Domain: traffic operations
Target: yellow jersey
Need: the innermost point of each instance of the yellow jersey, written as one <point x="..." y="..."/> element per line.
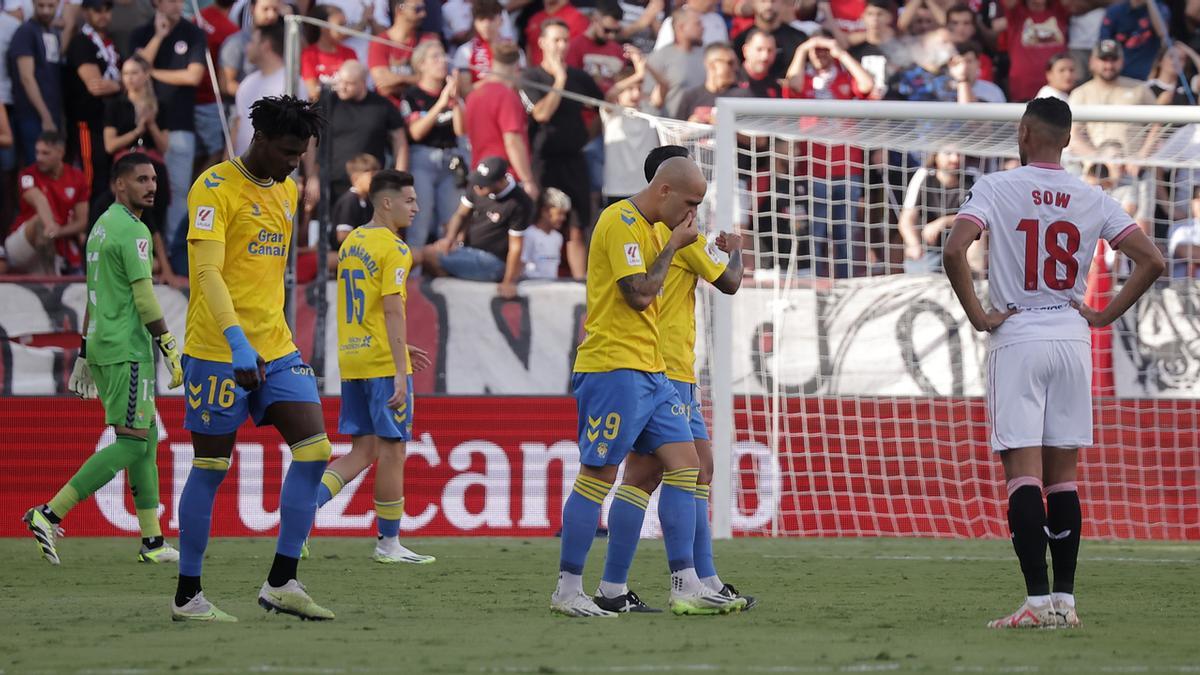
<point x="677" y="304"/>
<point x="618" y="336"/>
<point x="372" y="263"/>
<point x="253" y="218"/>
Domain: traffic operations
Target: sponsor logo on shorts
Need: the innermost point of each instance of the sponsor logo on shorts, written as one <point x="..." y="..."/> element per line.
<point x="305" y="370"/>
<point x="681" y="410"/>
<point x="205" y="215"/>
<point x="633" y="255"/>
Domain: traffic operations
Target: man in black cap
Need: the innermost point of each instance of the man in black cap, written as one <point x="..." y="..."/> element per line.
<point x="92" y="76"/>
<point x="1108" y="87"/>
<point x="484" y="237"/>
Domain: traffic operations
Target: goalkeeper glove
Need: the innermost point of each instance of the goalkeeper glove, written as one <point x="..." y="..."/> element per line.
<point x="81" y="383"/>
<point x="169" y="346"/>
<point x="248" y="366"/>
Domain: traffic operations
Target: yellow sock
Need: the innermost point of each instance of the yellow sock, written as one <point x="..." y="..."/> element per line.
<point x="148" y="523"/>
<point x="592" y="488"/>
<point x="390" y="510"/>
<point x="684" y="479"/>
<point x="633" y="495"/>
<point x="332" y="482"/>
<point x="64" y="501"/>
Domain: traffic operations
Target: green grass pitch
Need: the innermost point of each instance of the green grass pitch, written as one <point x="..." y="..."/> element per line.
<point x="826" y="606"/>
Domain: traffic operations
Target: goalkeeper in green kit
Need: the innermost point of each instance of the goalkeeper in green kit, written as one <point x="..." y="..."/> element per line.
<point x="122" y="325"/>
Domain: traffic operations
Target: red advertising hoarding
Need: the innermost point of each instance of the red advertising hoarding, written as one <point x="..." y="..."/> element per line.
<point x="500" y="466"/>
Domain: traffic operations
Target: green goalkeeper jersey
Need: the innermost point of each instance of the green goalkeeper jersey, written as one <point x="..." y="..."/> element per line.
<point x="120" y="251"/>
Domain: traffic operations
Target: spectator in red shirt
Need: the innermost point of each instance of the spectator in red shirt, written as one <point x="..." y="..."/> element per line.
<point x="325" y="53"/>
<point x="497" y="125"/>
<point x="597" y="52"/>
<point x="44" y="239"/>
<point x="473" y="58"/>
<point x="215" y="22"/>
<point x="391" y="67"/>
<point x="961" y="22"/>
<point x="1036" y="31"/>
<point x="823" y="70"/>
<point x="758" y="53"/>
<point x="563" y="10"/>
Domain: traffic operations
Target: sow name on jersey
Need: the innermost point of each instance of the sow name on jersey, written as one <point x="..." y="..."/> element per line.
<point x="268" y="243"/>
<point x="1058" y="199"/>
<point x="357" y="251"/>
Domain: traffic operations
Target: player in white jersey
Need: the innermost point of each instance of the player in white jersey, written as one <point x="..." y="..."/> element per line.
<point x="1043" y="225"/>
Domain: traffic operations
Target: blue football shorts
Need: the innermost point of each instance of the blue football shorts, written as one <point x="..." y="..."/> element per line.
<point x="365" y="411"/>
<point x="624" y="410"/>
<point x="689" y="394"/>
<point x="217" y="405"/>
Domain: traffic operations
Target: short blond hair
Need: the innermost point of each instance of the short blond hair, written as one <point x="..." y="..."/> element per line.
<point x="366" y="162"/>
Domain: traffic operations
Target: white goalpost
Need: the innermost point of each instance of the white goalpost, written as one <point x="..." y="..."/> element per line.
<point x="843" y="382"/>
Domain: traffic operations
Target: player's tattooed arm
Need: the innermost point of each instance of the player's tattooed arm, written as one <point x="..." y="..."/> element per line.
<point x="639" y="290"/>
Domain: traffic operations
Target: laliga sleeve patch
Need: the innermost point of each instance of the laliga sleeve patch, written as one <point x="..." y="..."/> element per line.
<point x="143" y="248"/>
<point x="26" y="182"/>
<point x="205" y="216"/>
<point x="711" y="249"/>
<point x="400" y="276"/>
<point x="633" y="255"/>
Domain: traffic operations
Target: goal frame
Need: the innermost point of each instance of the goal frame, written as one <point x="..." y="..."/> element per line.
<point x="725" y="131"/>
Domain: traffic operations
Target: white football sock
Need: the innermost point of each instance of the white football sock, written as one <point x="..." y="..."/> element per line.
<point x="685" y="582"/>
<point x="713" y="583"/>
<point x="1038" y="600"/>
<point x="611" y="590"/>
<point x="568" y="585"/>
<point x="1065" y="600"/>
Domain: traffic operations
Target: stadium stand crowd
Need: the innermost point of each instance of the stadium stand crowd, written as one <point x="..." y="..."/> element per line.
<point x="464" y="81"/>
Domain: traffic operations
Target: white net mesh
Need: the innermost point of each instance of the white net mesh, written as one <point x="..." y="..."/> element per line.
<point x="855" y="380"/>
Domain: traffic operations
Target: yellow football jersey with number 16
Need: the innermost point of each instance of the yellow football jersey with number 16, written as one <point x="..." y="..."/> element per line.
<point x="372" y="263"/>
<point x="253" y="218"/>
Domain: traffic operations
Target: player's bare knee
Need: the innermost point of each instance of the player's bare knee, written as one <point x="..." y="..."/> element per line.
<point x="1059" y="465"/>
<point x="606" y="473"/>
<point x="642" y="472"/>
<point x="210" y="446"/>
<point x="393" y="451"/>
<point x="1022" y="462"/>
<point x="704" y="453"/>
<point x="675" y="456"/>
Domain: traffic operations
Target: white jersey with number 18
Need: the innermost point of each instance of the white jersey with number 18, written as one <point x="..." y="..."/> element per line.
<point x="1043" y="225"/>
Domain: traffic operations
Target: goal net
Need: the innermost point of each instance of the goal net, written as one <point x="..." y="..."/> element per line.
<point x="843" y="382"/>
